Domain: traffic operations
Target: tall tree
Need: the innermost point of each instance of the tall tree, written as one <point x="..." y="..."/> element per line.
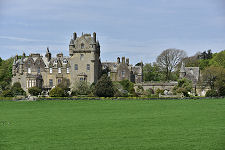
<point x="152" y="72"/>
<point x="169" y="59"/>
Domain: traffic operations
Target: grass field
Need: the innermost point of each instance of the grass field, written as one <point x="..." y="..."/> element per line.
<point x="119" y="125"/>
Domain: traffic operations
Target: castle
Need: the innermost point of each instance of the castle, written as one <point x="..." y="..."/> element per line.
<point x="83" y="64"/>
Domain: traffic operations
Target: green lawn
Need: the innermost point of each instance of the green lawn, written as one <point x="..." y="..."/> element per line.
<point x="119" y="125"/>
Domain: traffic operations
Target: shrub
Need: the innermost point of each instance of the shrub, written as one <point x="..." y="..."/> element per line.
<point x="149" y="92"/>
<point x="7" y="93"/>
<point x="211" y="93"/>
<point x="127" y="85"/>
<point x="17" y="90"/>
<point x="64" y="85"/>
<point x="56" y="92"/>
<point x="184" y="86"/>
<point x="104" y="87"/>
<point x="34" y="91"/>
<point x="81" y="88"/>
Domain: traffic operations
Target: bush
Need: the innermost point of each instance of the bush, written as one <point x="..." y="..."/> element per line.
<point x="81" y="88"/>
<point x="211" y="93"/>
<point x="64" y="85"/>
<point x="127" y="85"/>
<point x="7" y="93"/>
<point x="104" y="87"/>
<point x="149" y="92"/>
<point x="17" y="90"/>
<point x="56" y="92"/>
<point x="184" y="86"/>
<point x="34" y="91"/>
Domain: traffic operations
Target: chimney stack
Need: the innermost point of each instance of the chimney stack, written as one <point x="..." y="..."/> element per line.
<point x="127" y="61"/>
<point x="123" y="60"/>
<point x="74" y="36"/>
<point x="118" y="60"/>
<point x="94" y="37"/>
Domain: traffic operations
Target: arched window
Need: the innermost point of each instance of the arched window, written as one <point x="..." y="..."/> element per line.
<point x="81" y="56"/>
<point x="82" y="45"/>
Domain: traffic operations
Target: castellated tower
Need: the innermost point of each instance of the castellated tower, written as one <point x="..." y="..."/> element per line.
<point x="85" y="61"/>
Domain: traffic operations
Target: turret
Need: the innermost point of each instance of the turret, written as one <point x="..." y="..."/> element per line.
<point x="94" y="37"/>
<point x="14" y="67"/>
<point x="20" y="66"/>
<point x="182" y="70"/>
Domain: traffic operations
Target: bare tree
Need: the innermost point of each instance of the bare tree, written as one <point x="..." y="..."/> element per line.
<point x="169" y="59"/>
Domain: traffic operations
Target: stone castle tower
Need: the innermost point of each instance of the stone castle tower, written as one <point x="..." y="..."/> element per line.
<point x="83" y="64"/>
<point x="85" y="61"/>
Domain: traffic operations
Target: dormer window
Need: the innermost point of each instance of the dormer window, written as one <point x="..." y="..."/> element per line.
<point x="64" y="61"/>
<point x="82" y="45"/>
<point x="28" y="70"/>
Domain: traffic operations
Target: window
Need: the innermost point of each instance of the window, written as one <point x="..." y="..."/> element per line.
<point x="59" y="81"/>
<point x="50" y="82"/>
<point x="81" y="79"/>
<point x="76" y="66"/>
<point x="33" y="83"/>
<point x="30" y="83"/>
<point x="67" y="70"/>
<point x="81" y="56"/>
<point x="38" y="70"/>
<point x="88" y="67"/>
<point x="50" y="70"/>
<point x="82" y="45"/>
<point x="29" y="70"/>
<point x="123" y="73"/>
<point x="59" y="70"/>
<point x="64" y="61"/>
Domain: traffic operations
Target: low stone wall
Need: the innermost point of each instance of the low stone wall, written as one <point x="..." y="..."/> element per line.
<point x="200" y="91"/>
<point x="157" y="85"/>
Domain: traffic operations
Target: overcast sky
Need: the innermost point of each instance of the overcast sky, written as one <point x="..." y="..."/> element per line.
<point x="138" y="29"/>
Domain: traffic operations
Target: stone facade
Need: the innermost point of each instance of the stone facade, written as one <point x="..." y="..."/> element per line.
<point x="191" y="73"/>
<point x="122" y="70"/>
<point x="83" y="64"/>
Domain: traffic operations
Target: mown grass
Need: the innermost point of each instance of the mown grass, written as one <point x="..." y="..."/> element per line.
<point x="119" y="125"/>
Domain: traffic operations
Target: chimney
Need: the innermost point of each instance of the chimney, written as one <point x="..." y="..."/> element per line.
<point x="118" y="60"/>
<point x="127" y="61"/>
<point x="48" y="55"/>
<point x="24" y="55"/>
<point x="123" y="60"/>
<point x="16" y="58"/>
<point x="74" y="36"/>
<point x="94" y="37"/>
